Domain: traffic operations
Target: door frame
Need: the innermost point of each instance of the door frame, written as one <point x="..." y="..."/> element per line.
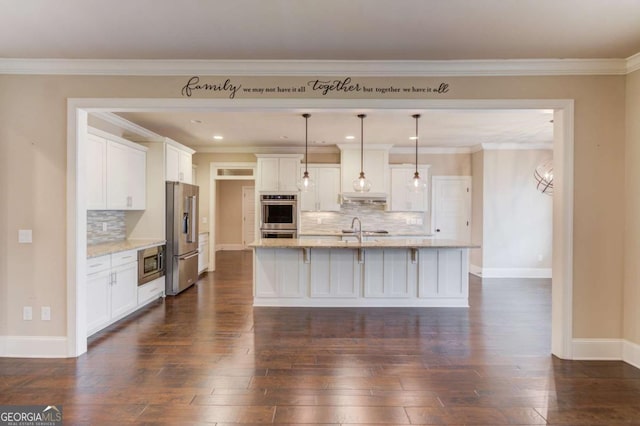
<point x="434" y="179"/>
<point x="213" y="180"/>
<point x="563" y="154"/>
<point x="244" y="204"/>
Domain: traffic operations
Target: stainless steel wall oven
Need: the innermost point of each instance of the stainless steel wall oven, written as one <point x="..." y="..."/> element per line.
<point x="279" y="211"/>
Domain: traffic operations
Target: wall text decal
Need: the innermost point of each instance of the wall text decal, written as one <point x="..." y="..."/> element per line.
<point x="322" y="87"/>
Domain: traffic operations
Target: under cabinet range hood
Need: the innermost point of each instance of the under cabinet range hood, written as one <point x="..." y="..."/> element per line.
<point x="364" y="197"/>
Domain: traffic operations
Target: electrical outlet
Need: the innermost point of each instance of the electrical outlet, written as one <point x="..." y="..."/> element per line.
<point x="45" y="313"/>
<point x="104" y="227"/>
<point x="25" y="236"/>
<point x="27" y="313"/>
<point x="540" y="258"/>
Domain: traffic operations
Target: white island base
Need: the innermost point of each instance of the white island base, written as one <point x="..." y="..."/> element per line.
<point x="360" y="275"/>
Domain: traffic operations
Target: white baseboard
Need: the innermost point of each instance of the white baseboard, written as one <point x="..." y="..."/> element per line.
<point x="512" y="272"/>
<point x="229" y="247"/>
<point x="475" y="270"/>
<point x="607" y="350"/>
<point x="631" y="353"/>
<point x="33" y="347"/>
<point x="597" y="349"/>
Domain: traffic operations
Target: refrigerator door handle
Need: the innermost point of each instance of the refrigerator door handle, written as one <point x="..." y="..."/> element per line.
<point x="189" y="256"/>
<point x="192" y="237"/>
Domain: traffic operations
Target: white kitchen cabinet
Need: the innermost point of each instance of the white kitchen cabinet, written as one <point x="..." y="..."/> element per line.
<point x="116" y="173"/>
<point x="126" y="177"/>
<point x="278" y="172"/>
<point x="402" y="198"/>
<point x="443" y="275"/>
<point x="334" y="273"/>
<point x="326" y="192"/>
<point x="112" y="282"/>
<point x="203" y="252"/>
<point x="98" y="293"/>
<point x="281" y="273"/>
<point x="178" y="164"/>
<point x="376" y="167"/>
<point x="151" y="291"/>
<point x="96" y="172"/>
<point x="390" y="273"/>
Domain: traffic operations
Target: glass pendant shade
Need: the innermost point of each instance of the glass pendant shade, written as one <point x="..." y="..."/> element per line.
<point x="361" y="183"/>
<point x="306" y="184"/>
<point x="417" y="183"/>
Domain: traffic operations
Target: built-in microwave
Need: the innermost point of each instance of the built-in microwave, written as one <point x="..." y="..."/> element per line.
<point x="279" y="211"/>
<point x="150" y="264"/>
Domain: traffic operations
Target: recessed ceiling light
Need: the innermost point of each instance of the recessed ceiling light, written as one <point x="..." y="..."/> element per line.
<point x="196" y="121"/>
<point x="218" y="137"/>
<point x="349" y="137"/>
<point x="413" y="138"/>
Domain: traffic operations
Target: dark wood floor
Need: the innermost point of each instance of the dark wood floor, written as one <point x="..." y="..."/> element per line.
<point x="207" y="356"/>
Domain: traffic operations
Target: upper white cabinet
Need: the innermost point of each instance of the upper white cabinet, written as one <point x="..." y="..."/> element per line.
<point x="375" y="166"/>
<point x="402" y="198"/>
<point x="326" y="192"/>
<point x="278" y="172"/>
<point x="178" y="163"/>
<point x="116" y="173"/>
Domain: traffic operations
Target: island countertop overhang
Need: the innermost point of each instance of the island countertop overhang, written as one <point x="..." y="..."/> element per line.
<point x="380" y="243"/>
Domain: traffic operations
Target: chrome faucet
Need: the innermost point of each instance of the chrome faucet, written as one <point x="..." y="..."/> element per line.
<point x="359" y="228"/>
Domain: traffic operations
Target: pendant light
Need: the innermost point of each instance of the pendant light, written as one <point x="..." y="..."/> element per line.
<point x="361" y="184"/>
<point x="306" y="184"/>
<point x="417" y="183"/>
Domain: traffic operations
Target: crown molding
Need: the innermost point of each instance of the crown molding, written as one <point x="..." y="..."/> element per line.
<point x="204" y="149"/>
<point x="497" y="146"/>
<point x="127" y="125"/>
<point x="431" y="150"/>
<point x="633" y="63"/>
<point x="447" y="68"/>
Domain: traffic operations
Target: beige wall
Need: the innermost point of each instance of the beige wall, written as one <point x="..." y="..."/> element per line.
<point x="441" y="164"/>
<point x="632" y="195"/>
<point x="32" y="180"/>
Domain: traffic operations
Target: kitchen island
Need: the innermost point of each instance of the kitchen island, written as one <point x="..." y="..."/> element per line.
<point x="371" y="273"/>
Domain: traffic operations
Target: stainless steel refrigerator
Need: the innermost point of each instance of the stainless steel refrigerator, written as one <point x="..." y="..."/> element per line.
<point x="182" y="237"/>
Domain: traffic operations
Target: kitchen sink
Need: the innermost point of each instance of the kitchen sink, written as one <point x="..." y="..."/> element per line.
<point x="366" y="232"/>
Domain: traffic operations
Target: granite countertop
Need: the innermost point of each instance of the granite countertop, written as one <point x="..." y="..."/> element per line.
<point x="367" y="233"/>
<point x="376" y="243"/>
<point x="118" y="246"/>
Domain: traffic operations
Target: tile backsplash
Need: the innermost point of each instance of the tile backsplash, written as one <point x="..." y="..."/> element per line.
<point x="116" y="227"/>
<point x="373" y="217"/>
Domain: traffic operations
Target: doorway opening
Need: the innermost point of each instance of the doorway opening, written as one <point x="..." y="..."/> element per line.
<point x="78" y="109"/>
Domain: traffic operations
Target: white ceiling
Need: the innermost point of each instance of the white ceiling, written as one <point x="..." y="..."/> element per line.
<point x="313" y="29"/>
<point x="437" y="128"/>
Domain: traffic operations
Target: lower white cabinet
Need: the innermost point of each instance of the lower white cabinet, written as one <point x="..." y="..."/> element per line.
<point x="444" y="275"/>
<point x="334" y="273"/>
<point x="281" y="272"/>
<point x="389" y="273"/>
<point x="203" y="252"/>
<point x="151" y="291"/>
<point x="112" y="282"/>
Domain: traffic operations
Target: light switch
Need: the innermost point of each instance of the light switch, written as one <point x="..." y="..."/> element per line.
<point x="25" y="236"/>
<point x="45" y="313"/>
<point x="27" y="313"/>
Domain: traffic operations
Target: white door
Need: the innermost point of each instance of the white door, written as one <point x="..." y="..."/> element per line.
<point x="451" y="213"/>
<point x="248" y="215"/>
